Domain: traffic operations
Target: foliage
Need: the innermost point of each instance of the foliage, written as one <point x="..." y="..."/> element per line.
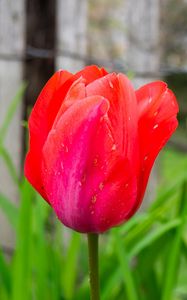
<point x="146" y="258"/>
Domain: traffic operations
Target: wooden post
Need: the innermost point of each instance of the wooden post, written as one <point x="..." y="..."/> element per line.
<point x="142" y="20"/>
<point x="12" y="24"/>
<point x="71" y="33"/>
<point x="142" y="32"/>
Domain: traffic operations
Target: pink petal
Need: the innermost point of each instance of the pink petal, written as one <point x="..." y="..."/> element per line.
<point x="66" y="159"/>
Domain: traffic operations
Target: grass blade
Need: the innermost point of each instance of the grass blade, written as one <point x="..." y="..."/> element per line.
<point x="9" y="164"/>
<point x="70" y="268"/>
<point x="21" y="264"/>
<point x="153" y="236"/>
<point x="10" y="210"/>
<point x="5" y="273"/>
<point x="175" y="249"/>
<point x="126" y="272"/>
<point x="11" y="111"/>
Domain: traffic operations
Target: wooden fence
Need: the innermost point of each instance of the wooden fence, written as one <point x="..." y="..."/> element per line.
<point x="38" y="36"/>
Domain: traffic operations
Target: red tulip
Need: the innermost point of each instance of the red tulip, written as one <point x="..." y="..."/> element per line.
<point x="93" y="142"/>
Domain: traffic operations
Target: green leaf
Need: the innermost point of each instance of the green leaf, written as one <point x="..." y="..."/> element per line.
<point x="152" y="237"/>
<point x="113" y="280"/>
<point x="70" y="266"/>
<point x="11" y="111"/>
<point x="10" y="210"/>
<point x="126" y="271"/>
<point x="172" y="264"/>
<point x="21" y="263"/>
<point x="40" y="251"/>
<point x="5" y="273"/>
<point x="9" y="164"/>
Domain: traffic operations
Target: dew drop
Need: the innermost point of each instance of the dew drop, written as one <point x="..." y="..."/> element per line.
<point x="92" y="212"/>
<point x="111" y="85"/>
<point x="146" y="157"/>
<point x="94" y="199"/>
<point x="155" y="126"/>
<point x="126" y="185"/>
<point x="66" y="149"/>
<point x="113" y="147"/>
<point x="150" y="100"/>
<point x="80" y="183"/>
<point x="95" y="162"/>
<point x="155" y="113"/>
<point x="129" y="118"/>
<point x="83" y="178"/>
<point x="101" y="186"/>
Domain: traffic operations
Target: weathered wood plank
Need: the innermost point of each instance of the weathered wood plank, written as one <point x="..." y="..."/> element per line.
<point x="142" y="21"/>
<point x="12" y="24"/>
<point x="71" y="32"/>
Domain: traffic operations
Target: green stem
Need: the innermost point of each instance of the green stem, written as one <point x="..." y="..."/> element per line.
<point x="93" y="266"/>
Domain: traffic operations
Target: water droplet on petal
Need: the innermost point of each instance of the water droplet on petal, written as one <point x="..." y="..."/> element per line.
<point x="126" y="185"/>
<point x="83" y="178"/>
<point x="94" y="199"/>
<point x="66" y="149"/>
<point x="101" y="186"/>
<point x="146" y="157"/>
<point x="150" y="100"/>
<point x="95" y="162"/>
<point x="92" y="212"/>
<point x="155" y="113"/>
<point x="113" y="147"/>
<point x="155" y="126"/>
<point x="111" y="85"/>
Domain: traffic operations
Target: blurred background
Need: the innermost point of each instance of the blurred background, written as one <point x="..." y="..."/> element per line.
<point x="147" y="40"/>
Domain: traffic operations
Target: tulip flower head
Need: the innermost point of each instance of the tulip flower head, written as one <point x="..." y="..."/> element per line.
<point x="93" y="142"/>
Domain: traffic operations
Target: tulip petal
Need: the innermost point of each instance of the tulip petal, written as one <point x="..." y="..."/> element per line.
<point x="157" y="121"/>
<point x="40" y="123"/>
<point x="66" y="158"/>
<point x="91" y="73"/>
<point x="117" y="197"/>
<point x="76" y="92"/>
<point x="123" y="109"/>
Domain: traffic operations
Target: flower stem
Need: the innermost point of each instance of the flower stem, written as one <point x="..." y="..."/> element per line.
<point x="93" y="266"/>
